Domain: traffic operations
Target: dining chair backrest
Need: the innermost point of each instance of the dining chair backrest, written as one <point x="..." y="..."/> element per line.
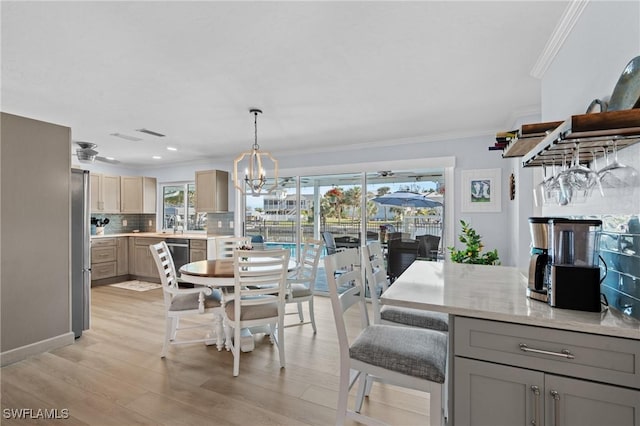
<point x="259" y="273"/>
<point x="225" y="246"/>
<point x="166" y="269"/>
<point x="376" y="276"/>
<point x="309" y="260"/>
<point x="329" y="242"/>
<point x="402" y="253"/>
<point x="343" y="272"/>
<point x="428" y="246"/>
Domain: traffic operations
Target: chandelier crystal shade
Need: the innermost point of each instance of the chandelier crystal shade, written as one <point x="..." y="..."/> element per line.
<point x="253" y="164"/>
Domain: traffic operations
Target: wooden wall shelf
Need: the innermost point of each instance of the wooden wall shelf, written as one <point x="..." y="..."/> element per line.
<point x="592" y="134"/>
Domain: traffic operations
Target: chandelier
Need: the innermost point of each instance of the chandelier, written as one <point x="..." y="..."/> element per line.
<point x="252" y="162"/>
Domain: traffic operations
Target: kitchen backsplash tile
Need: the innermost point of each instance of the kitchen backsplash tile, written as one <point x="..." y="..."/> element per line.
<point x="220" y="223"/>
<point x="141" y="222"/>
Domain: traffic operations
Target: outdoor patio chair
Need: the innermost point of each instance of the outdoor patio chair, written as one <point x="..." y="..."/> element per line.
<point x="401" y="254"/>
<point x="329" y="242"/>
<point x="428" y="246"/>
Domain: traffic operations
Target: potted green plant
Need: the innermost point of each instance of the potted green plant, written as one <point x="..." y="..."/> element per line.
<point x="472" y="253"/>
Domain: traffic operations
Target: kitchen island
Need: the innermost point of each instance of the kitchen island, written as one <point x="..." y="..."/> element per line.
<point x="513" y="360"/>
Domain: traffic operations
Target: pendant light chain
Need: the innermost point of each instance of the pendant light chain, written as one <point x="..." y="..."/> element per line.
<point x="255" y="130"/>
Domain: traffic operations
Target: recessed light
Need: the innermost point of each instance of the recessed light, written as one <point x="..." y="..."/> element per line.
<point x="150" y="132"/>
<point x="110" y="158"/>
<point x="172" y="148"/>
<point x="126" y="137"/>
<point x="157" y="157"/>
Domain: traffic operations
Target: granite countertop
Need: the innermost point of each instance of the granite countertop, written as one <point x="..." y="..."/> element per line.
<point x="188" y="235"/>
<point x="495" y="293"/>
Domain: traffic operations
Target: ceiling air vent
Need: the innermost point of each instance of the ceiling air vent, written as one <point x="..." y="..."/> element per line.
<point x="126" y="137"/>
<point x="150" y="132"/>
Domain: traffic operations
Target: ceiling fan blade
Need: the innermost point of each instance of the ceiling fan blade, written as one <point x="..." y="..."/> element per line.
<point x="107" y="160"/>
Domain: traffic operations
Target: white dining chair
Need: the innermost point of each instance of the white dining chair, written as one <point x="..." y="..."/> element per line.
<point x="260" y="280"/>
<point x="301" y="284"/>
<point x="403" y="356"/>
<point x="226" y="245"/>
<point x="182" y="302"/>
<point x="377" y="282"/>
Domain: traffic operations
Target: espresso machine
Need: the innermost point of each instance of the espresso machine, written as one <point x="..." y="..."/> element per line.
<point x="564" y="269"/>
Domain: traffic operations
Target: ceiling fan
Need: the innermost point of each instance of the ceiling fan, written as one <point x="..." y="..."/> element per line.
<point x="87" y="154"/>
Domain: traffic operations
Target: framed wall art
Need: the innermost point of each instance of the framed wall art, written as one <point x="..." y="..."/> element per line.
<point x="481" y="191"/>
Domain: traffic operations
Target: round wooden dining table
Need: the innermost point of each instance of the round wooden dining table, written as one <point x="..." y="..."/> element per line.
<point x="212" y="273"/>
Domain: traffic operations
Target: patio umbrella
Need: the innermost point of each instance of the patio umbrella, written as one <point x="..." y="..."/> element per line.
<point x="406" y="199"/>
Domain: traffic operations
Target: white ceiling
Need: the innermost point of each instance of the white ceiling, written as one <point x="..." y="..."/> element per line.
<point x="325" y="73"/>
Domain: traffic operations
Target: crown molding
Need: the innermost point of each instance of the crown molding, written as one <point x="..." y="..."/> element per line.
<point x="563" y="29"/>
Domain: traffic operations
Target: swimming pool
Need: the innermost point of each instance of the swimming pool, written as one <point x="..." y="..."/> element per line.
<point x="290" y="246"/>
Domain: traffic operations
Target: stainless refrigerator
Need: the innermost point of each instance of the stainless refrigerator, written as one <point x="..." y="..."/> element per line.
<point x="80" y="251"/>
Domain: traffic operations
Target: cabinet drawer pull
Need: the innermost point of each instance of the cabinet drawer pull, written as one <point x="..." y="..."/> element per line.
<point x="556" y="407"/>
<point x="536" y="405"/>
<point x="565" y="353"/>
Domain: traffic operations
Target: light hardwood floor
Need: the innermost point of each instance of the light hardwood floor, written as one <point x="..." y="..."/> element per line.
<point x="113" y="375"/>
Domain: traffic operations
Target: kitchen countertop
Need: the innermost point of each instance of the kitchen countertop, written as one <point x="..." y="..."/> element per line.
<point x="191" y="236"/>
<point x="495" y="293"/>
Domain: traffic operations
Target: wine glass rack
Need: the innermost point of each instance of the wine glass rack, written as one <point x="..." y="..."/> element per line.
<point x="591" y="134"/>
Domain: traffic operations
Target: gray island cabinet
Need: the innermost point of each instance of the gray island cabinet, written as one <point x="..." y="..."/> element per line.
<point x="515" y="361"/>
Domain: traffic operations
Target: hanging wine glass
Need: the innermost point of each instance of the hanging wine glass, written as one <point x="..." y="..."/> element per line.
<point x="616" y="174"/>
<point x="565" y="194"/>
<point x="541" y="192"/>
<point x="580" y="178"/>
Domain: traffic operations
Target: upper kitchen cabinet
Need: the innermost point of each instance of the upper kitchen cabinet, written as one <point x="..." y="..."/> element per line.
<point x="105" y="193"/>
<point x="137" y="194"/>
<point x="212" y="191"/>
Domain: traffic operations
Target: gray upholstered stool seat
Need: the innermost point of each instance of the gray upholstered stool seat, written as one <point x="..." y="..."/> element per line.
<point x="415" y="317"/>
<point x="412" y="351"/>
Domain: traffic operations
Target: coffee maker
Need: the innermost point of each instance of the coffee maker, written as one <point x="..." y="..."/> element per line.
<point x="539" y="263"/>
<point x="564" y="267"/>
<point x="573" y="256"/>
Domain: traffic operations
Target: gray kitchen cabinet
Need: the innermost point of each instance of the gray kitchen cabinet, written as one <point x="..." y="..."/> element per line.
<point x="212" y="191"/>
<point x="138" y="194"/>
<point x="513" y="374"/>
<point x="197" y="250"/>
<point x="103" y="258"/>
<point x="143" y="264"/>
<point x="105" y="193"/>
<point x="494" y="394"/>
<point x="488" y="394"/>
<point x="122" y="255"/>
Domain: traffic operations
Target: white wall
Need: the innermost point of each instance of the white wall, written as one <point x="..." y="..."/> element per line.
<point x="35" y="239"/>
<point x="603" y="41"/>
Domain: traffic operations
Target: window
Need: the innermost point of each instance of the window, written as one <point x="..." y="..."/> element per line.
<point x="178" y="208"/>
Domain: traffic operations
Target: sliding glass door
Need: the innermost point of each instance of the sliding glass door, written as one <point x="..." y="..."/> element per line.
<point x="303" y="207"/>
